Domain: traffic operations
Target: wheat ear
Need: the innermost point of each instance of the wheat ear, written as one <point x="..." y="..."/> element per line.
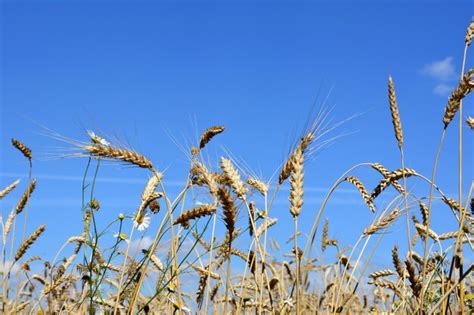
<point x="233" y="177"/>
<point x="397" y="125"/>
<point x="361" y="188"/>
<point x="124" y="155"/>
<point x="208" y="134"/>
<point x="469" y="33"/>
<point x="22" y="148"/>
<point x="465" y="86"/>
<point x="382" y="222"/>
<point x="24" y="198"/>
<point x="195" y="213"/>
<point x="470" y="122"/>
<point x="8" y="189"/>
<point x="296" y="184"/>
<point x="29" y="241"/>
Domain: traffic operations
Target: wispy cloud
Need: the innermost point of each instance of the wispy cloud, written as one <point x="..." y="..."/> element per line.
<point x="442" y="89"/>
<point x="442" y="70"/>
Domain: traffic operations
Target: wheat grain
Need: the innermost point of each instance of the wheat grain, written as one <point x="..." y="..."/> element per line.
<point x="425" y="213"/>
<point x="229" y="210"/>
<point x="25" y="197"/>
<point x="448" y="235"/>
<point x="361" y="188"/>
<point x="385" y="284"/>
<point x="397" y="263"/>
<point x="424" y="231"/>
<point x="465" y="86"/>
<point x="383" y="222"/>
<point x="413" y="278"/>
<point x="28" y="242"/>
<point x="264" y="226"/>
<point x="251" y="217"/>
<point x="393" y="176"/>
<point x="208" y="134"/>
<point x="260" y="186"/>
<point x="201" y="175"/>
<point x="469" y="33"/>
<point x="233" y="177"/>
<point x="8" y="189"/>
<point x="386" y="173"/>
<point x="296" y="184"/>
<point x="289" y="164"/>
<point x="470" y="122"/>
<point x="8" y="224"/>
<point x="149" y="194"/>
<point x="324" y="237"/>
<point x="22" y="148"/>
<point x="397" y="125"/>
<point x="381" y="273"/>
<point x="114" y="153"/>
<point x="195" y="213"/>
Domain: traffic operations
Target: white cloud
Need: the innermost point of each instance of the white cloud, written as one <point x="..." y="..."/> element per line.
<point x="442" y="70"/>
<point x="442" y="89"/>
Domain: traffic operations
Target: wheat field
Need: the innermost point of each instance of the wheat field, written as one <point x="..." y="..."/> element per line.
<point x="201" y="273"/>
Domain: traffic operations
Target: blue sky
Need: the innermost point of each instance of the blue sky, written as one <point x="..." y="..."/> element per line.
<point x="147" y="73"/>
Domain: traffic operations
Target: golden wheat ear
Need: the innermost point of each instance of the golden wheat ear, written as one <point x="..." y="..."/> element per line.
<point x="8" y="189"/>
<point x="22" y="148"/>
<point x="208" y="134"/>
<point x="124" y="155"/>
<point x="195" y="213"/>
<point x="465" y="86"/>
<point x="397" y="124"/>
<point x="29" y="241"/>
<point x="361" y="188"/>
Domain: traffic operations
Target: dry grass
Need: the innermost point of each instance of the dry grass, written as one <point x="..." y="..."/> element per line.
<point x="188" y="268"/>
